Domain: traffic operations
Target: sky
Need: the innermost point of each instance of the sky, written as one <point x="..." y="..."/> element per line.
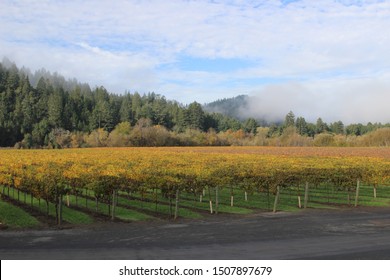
<point x="323" y="58"/>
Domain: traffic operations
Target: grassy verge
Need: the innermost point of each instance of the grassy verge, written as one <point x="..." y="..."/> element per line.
<point x="186" y="204"/>
<point x="14" y="217"/>
<point x="102" y="208"/>
<point x="158" y="208"/>
<point x="69" y="215"/>
<point x="150" y="207"/>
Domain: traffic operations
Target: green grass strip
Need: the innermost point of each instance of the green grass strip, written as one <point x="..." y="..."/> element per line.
<point x="148" y="206"/>
<point x="69" y="215"/>
<point x="15" y="217"/>
<point x="120" y="212"/>
<point x="159" y="208"/>
<point x="186" y="200"/>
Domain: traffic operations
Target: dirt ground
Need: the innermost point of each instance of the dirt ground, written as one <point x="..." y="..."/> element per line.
<point x="351" y="233"/>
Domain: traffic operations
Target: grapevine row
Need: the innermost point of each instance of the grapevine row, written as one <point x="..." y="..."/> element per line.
<point x="50" y="175"/>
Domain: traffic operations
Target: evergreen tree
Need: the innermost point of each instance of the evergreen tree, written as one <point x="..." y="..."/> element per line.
<point x="55" y="109"/>
<point x="289" y="119"/>
<point x="136" y="104"/>
<point x="250" y="126"/>
<point x="160" y="113"/>
<point x="354" y="129"/>
<point x="125" y="111"/>
<point x="194" y="116"/>
<point x="321" y="126"/>
<point x="337" y="127"/>
<point x="301" y="126"/>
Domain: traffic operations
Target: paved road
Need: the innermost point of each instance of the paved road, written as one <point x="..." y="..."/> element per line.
<point x="362" y="233"/>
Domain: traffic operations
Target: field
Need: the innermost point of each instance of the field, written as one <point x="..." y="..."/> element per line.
<point x="83" y="186"/>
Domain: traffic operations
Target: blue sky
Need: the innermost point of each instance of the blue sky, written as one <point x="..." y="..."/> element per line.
<point x="324" y="57"/>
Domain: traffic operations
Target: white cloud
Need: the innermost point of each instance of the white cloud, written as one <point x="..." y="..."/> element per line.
<point x="137" y="45"/>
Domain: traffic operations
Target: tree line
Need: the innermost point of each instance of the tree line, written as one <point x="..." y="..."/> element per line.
<point x="32" y="115"/>
<point x="46" y="110"/>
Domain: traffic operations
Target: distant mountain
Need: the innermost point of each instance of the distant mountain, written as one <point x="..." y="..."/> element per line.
<point x="231" y="107"/>
<point x="237" y="108"/>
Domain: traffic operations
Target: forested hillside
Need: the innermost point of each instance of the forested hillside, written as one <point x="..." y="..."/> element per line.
<point x="228" y="106"/>
<point x="45" y="110"/>
<point x="33" y="114"/>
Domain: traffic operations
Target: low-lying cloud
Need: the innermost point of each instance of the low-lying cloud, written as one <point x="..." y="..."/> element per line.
<point x="351" y="101"/>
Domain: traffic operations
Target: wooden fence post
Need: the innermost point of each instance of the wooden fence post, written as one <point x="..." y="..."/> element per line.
<point x="60" y="210"/>
<point x="306" y="195"/>
<point x="177" y="204"/>
<point x="216" y="199"/>
<point x="113" y="204"/>
<point x="276" y="198"/>
<point x="211" y="201"/>
<point x="357" y="193"/>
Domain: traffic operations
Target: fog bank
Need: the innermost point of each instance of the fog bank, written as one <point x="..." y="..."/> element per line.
<point x="365" y="100"/>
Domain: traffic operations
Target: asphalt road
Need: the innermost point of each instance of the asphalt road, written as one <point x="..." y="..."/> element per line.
<point x="353" y="233"/>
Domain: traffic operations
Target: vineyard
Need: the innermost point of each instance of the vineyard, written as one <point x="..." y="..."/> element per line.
<point x="76" y="186"/>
